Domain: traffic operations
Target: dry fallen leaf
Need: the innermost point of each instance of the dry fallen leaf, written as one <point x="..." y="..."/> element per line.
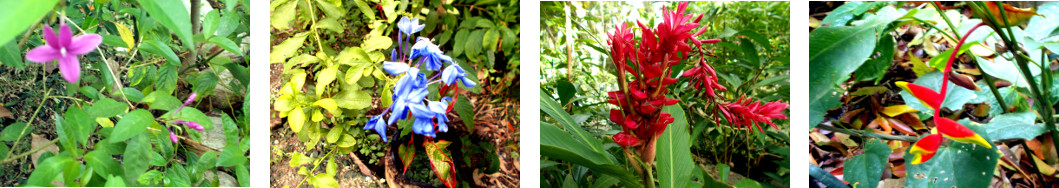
<point x="39" y="141"/>
<point x="4" y="113"/>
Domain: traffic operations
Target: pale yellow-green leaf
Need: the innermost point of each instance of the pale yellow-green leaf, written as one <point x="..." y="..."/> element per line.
<point x="297" y="81"/>
<point x="896" y="110"/>
<point x="283" y="15"/>
<point x="325" y="181"/>
<point x="286" y="49"/>
<point x="296" y="119"/>
<point x="283" y="103"/>
<point x="317" y="115"/>
<point x="353" y="99"/>
<point x="347" y="141"/>
<point x="105" y="122"/>
<point x="323" y="78"/>
<point x="331" y="24"/>
<point x="376" y="42"/>
<point x="328" y="104"/>
<point x="334" y="134"/>
<point x="126" y="35"/>
<point x="299" y="159"/>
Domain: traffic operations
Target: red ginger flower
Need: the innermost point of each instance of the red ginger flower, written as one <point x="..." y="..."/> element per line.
<point x="745" y="113"/>
<point x="650" y="63"/>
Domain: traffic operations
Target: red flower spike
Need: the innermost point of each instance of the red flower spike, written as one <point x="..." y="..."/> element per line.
<point x="746" y="113"/>
<point x="925" y="148"/>
<point x="616" y="116"/>
<point x="625" y="139"/>
<point x="959" y="133"/>
<point x="925" y="95"/>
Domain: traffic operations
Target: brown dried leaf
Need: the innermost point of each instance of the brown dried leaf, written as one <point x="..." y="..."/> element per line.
<point x="4" y="113"/>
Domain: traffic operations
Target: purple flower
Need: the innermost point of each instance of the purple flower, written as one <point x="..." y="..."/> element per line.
<point x="190" y="124"/>
<point x="64" y="48"/>
<point x="191" y="98"/>
<point x="172" y="136"/>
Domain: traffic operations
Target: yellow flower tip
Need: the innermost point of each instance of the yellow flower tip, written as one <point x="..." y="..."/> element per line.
<point x="976" y="139"/>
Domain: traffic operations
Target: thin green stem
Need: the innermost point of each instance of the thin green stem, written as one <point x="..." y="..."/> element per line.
<point x="861" y="133"/>
<point x="939" y="29"/>
<point x="955" y="30"/>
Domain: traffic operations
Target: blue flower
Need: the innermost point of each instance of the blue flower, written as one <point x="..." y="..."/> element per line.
<point x="407" y="102"/>
<point x="454" y="72"/>
<point x="432" y="55"/>
<point x="409" y="26"/>
<point x="379" y="127"/>
<point x="395" y="68"/>
<point x="423" y="127"/>
<point x="439" y="108"/>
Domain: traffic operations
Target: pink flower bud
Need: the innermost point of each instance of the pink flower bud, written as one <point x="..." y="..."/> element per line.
<point x="172" y="137"/>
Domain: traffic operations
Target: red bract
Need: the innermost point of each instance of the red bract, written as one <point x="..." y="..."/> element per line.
<point x="745" y="113"/>
<point x="650" y="63"/>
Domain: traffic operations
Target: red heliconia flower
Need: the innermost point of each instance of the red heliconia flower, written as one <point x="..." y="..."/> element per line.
<point x="704" y="78"/>
<point x="925" y="148"/>
<point x="625" y="139"/>
<point x="745" y="113"/>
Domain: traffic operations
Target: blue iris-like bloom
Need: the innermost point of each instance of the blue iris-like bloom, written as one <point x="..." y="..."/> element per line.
<point x="379" y="127"/>
<point x="453" y="73"/>
<point x="408" y="27"/>
<point x="395" y="68"/>
<point x="439" y="108"/>
<point x="432" y="56"/>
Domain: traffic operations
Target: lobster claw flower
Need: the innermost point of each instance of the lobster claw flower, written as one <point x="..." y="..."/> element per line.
<point x="925" y="148"/>
<point x="925" y="95"/>
<point x="959" y="133"/>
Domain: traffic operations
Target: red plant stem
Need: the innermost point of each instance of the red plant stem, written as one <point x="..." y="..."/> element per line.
<point x="948" y="67"/>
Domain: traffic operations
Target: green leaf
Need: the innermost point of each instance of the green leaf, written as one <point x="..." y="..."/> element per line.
<point x="107" y="107"/>
<point x="364" y="8"/>
<point x="115" y="181"/>
<point x="228" y="45"/>
<point x="153" y="177"/>
<point x="231" y="130"/>
<point x="282" y="15"/>
<point x="353" y="99"/>
<point x="406" y="152"/>
<point x="1014" y="125"/>
<point x="955" y="165"/>
<point x="490" y="39"/>
<point x="331" y="24"/>
<point x="296" y="119"/>
<point x="206" y="162"/>
<point x="566" y="91"/>
<point x="240" y="73"/>
<point x="138" y="148"/>
<point x="443" y="166"/>
<point x="835" y="52"/>
<point x="332" y="168"/>
<point x="14" y="131"/>
<point x="191" y="114"/>
<point x="158" y="100"/>
<point x="334" y="134"/>
<point x="172" y="15"/>
<point x="210" y="23"/>
<point x="325" y="181"/>
<point x="553" y="109"/>
<point x="3" y="150"/>
<point x="11" y="55"/>
<point x="167" y="79"/>
<point x="286" y="49"/>
<point x="80" y="124"/>
<point x="878" y="66"/>
<point x="231" y="156"/>
<point x="375" y="43"/>
<point x="243" y="175"/>
<point x="841" y="14"/>
<point x="205" y="82"/>
<point x="325" y="77"/>
<point x="330" y="9"/>
<point x="161" y="49"/>
<point x="473" y="45"/>
<point x="955" y="98"/>
<point x="466" y="112"/>
<point x="49" y="169"/>
<point x="347" y="141"/>
<point x="299" y="159"/>
<point x="865" y="170"/>
<point x="459" y="41"/>
<point x="557" y="144"/>
<point x="177" y="176"/>
<point x="19" y="15"/>
<point x="673" y="152"/>
<point x="132" y="124"/>
<point x="749" y="52"/>
<point x="103" y="164"/>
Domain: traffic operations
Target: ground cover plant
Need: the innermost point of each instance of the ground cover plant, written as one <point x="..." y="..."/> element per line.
<point x="146" y="93"/>
<point x="930" y="94"/>
<point x="398" y="93"/>
<point x="626" y="87"/>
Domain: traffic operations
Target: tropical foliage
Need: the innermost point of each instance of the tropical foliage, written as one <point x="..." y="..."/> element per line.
<point x="146" y="94"/>
<point x="626" y="87"/>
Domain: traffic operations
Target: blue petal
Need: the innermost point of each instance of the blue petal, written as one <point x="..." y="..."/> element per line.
<point x="438" y="107"/>
<point x="420" y="111"/>
<point x="400" y="110"/>
<point x="448" y="76"/>
<point x="395" y="68"/>
<point x="467" y="82"/>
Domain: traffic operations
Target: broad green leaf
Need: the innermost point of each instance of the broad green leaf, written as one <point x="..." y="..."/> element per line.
<point x="133" y="95"/>
<point x="332" y="168"/>
<point x="15" y="131"/>
<point x="206" y="162"/>
<point x="243" y="174"/>
<point x="106" y="108"/>
<point x="167" y="78"/>
<point x="138" y="148"/>
<point x="353" y="99"/>
<point x="153" y="177"/>
<point x="160" y="101"/>
<point x="282" y="15"/>
<point x="673" y="151"/>
<point x="376" y="43"/>
<point x="67" y="135"/>
<point x="841" y="14"/>
<point x="473" y="45"/>
<point x="557" y="144"/>
<point x="837" y="51"/>
<point x="334" y="134"/>
<point x="876" y="67"/>
<point x="115" y="181"/>
<point x="1013" y="126"/>
<point x="955" y="165"/>
<point x="325" y="181"/>
<point x="406" y="152"/>
<point x="331" y="24"/>
<point x="231" y="156"/>
<point x="103" y="164"/>
<point x="347" y="141"/>
<point x="490" y="39"/>
<point x="299" y="159"/>
<point x="131" y="124"/>
<point x="566" y="91"/>
<point x="172" y="15"/>
<point x="177" y="176"/>
<point x="231" y="130"/>
<point x="370" y="13"/>
<point x="955" y="98"/>
<point x="11" y="55"/>
<point x="19" y="15"/>
<point x="80" y="123"/>
<point x="161" y="49"/>
<point x="466" y="111"/>
<point x="240" y="73"/>
<point x="553" y="109"/>
<point x="210" y="23"/>
<point x="191" y="114"/>
<point x="286" y="49"/>
<point x="227" y="44"/>
<point x="866" y="169"/>
<point x="49" y="169"/>
<point x="126" y="35"/>
<point x="205" y="82"/>
<point x="443" y="166"/>
<point x="325" y="77"/>
<point x="749" y="52"/>
<point x="296" y="119"/>
<point x="330" y="9"/>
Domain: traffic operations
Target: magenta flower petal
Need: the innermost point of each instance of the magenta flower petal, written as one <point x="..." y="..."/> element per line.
<point x="82" y="44"/>
<point x="43" y="54"/>
<point x="64" y="35"/>
<point x="70" y="68"/>
<point x="172" y="137"/>
<point x="49" y="36"/>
